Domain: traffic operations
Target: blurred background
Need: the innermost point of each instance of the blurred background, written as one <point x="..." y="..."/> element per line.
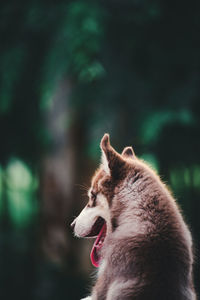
<point x="69" y="72"/>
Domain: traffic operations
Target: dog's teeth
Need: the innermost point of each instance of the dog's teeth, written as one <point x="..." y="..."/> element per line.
<point x="100" y="243"/>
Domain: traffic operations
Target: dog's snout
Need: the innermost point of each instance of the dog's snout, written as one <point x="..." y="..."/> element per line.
<point x="73" y="224"/>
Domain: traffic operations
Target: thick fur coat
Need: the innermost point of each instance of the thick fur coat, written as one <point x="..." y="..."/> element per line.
<point x="146" y="253"/>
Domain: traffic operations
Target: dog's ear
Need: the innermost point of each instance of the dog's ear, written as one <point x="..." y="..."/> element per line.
<point x="111" y="160"/>
<point x="128" y="152"/>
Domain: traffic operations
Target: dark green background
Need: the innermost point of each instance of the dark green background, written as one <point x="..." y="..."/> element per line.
<point x="70" y="71"/>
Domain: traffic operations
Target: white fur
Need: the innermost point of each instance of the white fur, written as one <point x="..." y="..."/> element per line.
<point x="88" y="216"/>
<point x="105" y="163"/>
<point x="85" y="220"/>
<point x="89" y="192"/>
<point x="117" y="287"/>
<point x="102" y="203"/>
<point x="102" y="267"/>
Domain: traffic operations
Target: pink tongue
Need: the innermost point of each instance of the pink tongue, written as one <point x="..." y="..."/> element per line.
<point x="94" y="256"/>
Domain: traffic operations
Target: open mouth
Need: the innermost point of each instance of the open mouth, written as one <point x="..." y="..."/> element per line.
<point x="99" y="231"/>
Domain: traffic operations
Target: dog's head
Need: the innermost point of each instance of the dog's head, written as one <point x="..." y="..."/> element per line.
<point x="96" y="219"/>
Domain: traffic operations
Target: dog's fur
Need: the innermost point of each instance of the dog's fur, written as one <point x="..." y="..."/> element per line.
<point x="147" y="252"/>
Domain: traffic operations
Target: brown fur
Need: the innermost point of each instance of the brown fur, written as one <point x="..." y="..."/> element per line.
<point x="147" y="255"/>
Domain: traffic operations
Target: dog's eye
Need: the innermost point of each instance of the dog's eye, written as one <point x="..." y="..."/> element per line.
<point x="93" y="196"/>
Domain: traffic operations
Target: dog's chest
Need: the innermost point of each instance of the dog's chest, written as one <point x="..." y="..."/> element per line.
<point x="102" y="268"/>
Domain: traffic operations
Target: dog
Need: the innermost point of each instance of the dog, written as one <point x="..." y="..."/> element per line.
<point x="143" y="247"/>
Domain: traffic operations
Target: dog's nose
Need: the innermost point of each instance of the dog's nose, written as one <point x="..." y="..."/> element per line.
<point x="73" y="224"/>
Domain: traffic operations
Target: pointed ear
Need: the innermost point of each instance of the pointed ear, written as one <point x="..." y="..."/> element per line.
<point x="111" y="160"/>
<point x="128" y="152"/>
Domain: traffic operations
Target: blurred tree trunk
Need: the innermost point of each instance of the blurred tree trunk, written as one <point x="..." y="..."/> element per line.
<point x="57" y="176"/>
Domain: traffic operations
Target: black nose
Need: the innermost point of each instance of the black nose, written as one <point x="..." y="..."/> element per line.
<point x="73" y="224"/>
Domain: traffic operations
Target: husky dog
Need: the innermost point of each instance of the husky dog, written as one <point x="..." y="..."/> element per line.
<point x="143" y="247"/>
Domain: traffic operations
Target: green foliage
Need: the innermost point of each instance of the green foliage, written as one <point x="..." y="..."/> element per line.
<point x="19" y="191"/>
<point x="185" y="178"/>
<point x="156" y="120"/>
<point x="12" y="63"/>
<point x="83" y="28"/>
<point x="1" y="190"/>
